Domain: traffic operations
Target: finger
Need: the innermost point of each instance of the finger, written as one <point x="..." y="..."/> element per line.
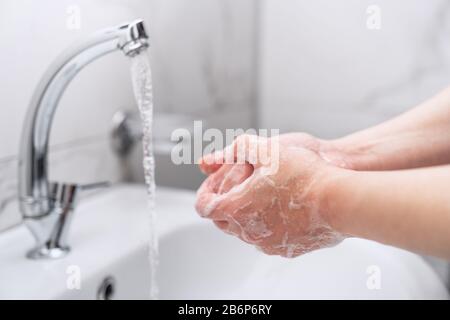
<point x="208" y="195"/>
<point x="228" y="227"/>
<point x="220" y="182"/>
<point x="222" y="206"/>
<point x="231" y="228"/>
<point x="269" y="250"/>
<point x="211" y="162"/>
<point x="244" y="149"/>
<point x="237" y="174"/>
<point x="222" y="225"/>
<point x="213" y="183"/>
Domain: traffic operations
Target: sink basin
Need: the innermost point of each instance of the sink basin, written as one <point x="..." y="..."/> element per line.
<point x="109" y="256"/>
<point x="108" y="237"/>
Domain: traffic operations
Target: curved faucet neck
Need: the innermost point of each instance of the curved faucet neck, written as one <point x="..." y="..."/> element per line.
<point x="34" y="194"/>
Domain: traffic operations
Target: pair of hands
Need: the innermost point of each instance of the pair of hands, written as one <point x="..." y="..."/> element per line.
<point x="385" y="183"/>
<point x="282" y="211"/>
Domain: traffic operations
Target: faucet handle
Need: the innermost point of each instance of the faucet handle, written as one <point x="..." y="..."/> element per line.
<point x="64" y="195"/>
<point x="52" y="238"/>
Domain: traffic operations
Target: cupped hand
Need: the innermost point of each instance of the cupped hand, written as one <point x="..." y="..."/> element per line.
<point x="274" y="203"/>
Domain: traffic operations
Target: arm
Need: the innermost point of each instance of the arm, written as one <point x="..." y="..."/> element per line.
<point x="307" y="203"/>
<point x="418" y="138"/>
<point x="408" y="209"/>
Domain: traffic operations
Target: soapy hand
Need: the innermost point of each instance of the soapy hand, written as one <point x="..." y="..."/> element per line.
<point x="269" y="199"/>
<point x="326" y="149"/>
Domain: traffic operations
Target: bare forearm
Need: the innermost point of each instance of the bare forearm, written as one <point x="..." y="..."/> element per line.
<point x="418" y="138"/>
<point x="408" y="209"/>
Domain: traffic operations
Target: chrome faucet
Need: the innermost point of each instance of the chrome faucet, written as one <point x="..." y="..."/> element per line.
<point x="46" y="207"/>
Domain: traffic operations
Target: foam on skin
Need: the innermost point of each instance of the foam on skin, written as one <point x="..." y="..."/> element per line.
<point x="278" y="212"/>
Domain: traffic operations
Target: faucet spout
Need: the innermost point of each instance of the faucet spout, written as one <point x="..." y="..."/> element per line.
<point x="35" y="194"/>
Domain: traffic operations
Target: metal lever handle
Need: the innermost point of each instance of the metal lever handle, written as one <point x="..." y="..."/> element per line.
<point x="63" y="197"/>
<point x="65" y="194"/>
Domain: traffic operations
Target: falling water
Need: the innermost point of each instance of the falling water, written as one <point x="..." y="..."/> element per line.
<point x="143" y="91"/>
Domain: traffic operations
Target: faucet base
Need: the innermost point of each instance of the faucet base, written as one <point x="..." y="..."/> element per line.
<point x="44" y="252"/>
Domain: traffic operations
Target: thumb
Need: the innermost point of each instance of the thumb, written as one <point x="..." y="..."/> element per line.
<point x="244" y="149"/>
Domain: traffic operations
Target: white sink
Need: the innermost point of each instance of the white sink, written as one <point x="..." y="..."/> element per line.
<point x="109" y="237"/>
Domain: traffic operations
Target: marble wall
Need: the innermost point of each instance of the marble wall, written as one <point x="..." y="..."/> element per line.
<point x="202" y="55"/>
<point x="324" y="71"/>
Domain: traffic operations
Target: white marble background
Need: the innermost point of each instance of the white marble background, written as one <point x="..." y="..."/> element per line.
<point x="202" y="55"/>
<point x="323" y="71"/>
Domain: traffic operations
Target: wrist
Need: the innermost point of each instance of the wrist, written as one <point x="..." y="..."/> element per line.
<point x="335" y="199"/>
<point x="338" y="154"/>
<point x="350" y="153"/>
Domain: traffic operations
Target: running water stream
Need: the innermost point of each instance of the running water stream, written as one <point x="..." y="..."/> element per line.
<point x="142" y="85"/>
